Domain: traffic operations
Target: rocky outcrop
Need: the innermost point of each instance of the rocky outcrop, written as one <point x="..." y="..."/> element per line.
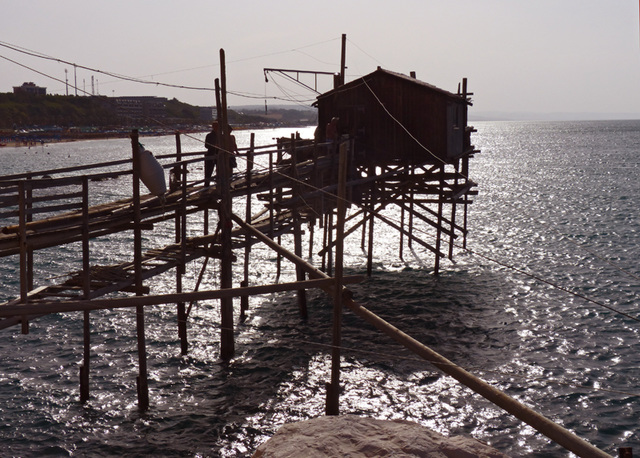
<point x="353" y="436"/>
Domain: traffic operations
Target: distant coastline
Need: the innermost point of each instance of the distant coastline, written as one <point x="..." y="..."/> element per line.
<point x="38" y="137"/>
<point x="548" y="116"/>
<point x="27" y="120"/>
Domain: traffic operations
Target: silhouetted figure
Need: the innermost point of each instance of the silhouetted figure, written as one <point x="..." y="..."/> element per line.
<point x="332" y="130"/>
<point x="211" y="156"/>
<point x="332" y="135"/>
<point x="233" y="162"/>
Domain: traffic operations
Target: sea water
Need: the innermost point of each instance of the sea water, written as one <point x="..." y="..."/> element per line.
<point x="531" y="307"/>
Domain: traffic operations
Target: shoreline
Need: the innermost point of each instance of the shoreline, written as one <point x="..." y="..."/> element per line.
<point x="30" y="141"/>
<point x="41" y="138"/>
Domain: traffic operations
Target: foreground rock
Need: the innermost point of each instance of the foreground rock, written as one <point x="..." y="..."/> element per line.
<point x="353" y="436"/>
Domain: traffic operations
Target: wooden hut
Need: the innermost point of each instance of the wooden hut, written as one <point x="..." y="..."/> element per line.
<point x="397" y="118"/>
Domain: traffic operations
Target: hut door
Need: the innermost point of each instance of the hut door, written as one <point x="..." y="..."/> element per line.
<point x="455" y="131"/>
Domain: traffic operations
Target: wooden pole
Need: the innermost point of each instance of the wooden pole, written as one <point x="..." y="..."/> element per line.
<point x="453" y="214"/>
<point x="24" y="282"/>
<point x="180" y="225"/>
<point x="465" y="167"/>
<point x="325" y="235"/>
<point x="279" y="200"/>
<point x="142" y="382"/>
<point x="315" y="203"/>
<point x="86" y="273"/>
<point x="329" y="243"/>
<point x="372" y="172"/>
<point x="402" y="211"/>
<point x="311" y="226"/>
<point x="22" y="221"/>
<point x="436" y="267"/>
<point x="411" y="198"/>
<point x="365" y="219"/>
<point x="29" y="206"/>
<point x="271" y="195"/>
<point x="465" y="173"/>
<point x="343" y="59"/>
<point x="333" y="388"/>
<point x="86" y="280"/>
<point x="297" y="231"/>
<point x="227" y="344"/>
<point x="45" y="308"/>
<point x="244" y="300"/>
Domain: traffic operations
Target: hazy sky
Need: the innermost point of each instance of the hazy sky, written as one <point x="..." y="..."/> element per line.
<point x="518" y="56"/>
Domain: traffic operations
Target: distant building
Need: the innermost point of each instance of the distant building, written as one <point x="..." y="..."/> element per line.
<point x="30" y="88"/>
<point x="148" y="109"/>
<point x="208" y="114"/>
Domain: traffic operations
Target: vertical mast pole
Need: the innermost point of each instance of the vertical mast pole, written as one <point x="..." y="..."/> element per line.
<point x="343" y="58"/>
<point x="142" y="383"/>
<point x="226" y="304"/>
<point x="179" y="238"/>
<point x="333" y="388"/>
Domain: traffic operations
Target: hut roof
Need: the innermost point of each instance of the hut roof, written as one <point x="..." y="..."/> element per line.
<point x="408" y="79"/>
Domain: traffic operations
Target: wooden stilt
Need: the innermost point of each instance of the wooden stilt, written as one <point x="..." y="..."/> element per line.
<point x="436" y="267"/>
<point x="278" y="193"/>
<point x="227" y="344"/>
<point x="86" y="274"/>
<point x="465" y="173"/>
<point x="411" y="200"/>
<point x="404" y="199"/>
<point x="180" y="235"/>
<point x="297" y="232"/>
<point x="86" y="281"/>
<point x="325" y="235"/>
<point x="22" y="222"/>
<point x="333" y="388"/>
<point x="244" y="300"/>
<point x="465" y="170"/>
<point x="363" y="239"/>
<point x="142" y="382"/>
<point x="29" y="206"/>
<point x="453" y="215"/>
<point x="311" y="226"/>
<point x="329" y="243"/>
<point x="272" y="201"/>
<point x="372" y="172"/>
<point x="24" y="281"/>
<point x="271" y="195"/>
